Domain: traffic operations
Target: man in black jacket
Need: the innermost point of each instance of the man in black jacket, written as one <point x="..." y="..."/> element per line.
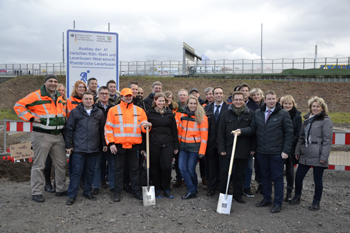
<point x="274" y="132"/>
<point x="83" y="137"/>
<point x="156" y="87"/>
<point x="214" y="113"/>
<point x="237" y="116"/>
<point x="104" y="103"/>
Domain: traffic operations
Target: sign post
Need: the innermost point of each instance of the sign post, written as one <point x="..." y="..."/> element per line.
<point x="92" y="54"/>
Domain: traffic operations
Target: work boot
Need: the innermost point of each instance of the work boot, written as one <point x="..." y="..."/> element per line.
<point x="204" y="181"/>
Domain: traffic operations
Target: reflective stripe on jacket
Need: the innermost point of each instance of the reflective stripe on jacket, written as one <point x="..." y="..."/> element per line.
<point x="72" y="103"/>
<point x="124" y="125"/>
<point x="39" y="104"/>
<point x="192" y="136"/>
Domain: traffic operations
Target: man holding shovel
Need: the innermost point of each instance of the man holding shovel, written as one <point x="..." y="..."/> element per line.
<point x="237" y="116"/>
<point x="124" y="124"/>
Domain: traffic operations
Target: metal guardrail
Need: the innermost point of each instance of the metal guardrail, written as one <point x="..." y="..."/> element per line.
<point x="283" y="66"/>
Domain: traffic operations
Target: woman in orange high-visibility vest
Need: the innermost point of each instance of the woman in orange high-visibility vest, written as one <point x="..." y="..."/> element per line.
<point x="193" y="136"/>
<point x="75" y="98"/>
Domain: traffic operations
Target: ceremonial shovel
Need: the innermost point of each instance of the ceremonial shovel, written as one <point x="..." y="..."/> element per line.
<point x="225" y="200"/>
<point x="149" y="197"/>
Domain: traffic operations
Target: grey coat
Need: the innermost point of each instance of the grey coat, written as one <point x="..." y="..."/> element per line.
<point x="317" y="145"/>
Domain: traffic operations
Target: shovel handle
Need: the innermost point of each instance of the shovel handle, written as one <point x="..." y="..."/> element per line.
<point x="232" y="154"/>
<point x="231" y="163"/>
<point x="147" y="146"/>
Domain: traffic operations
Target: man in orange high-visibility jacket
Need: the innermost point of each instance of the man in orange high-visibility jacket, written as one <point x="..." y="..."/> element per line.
<point x="45" y="108"/>
<point x="123" y="128"/>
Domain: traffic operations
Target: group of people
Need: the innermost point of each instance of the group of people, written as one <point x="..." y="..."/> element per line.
<point x="103" y="131"/>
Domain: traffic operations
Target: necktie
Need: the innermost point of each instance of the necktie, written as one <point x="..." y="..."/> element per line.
<point x="216" y="113"/>
<point x="268" y="114"/>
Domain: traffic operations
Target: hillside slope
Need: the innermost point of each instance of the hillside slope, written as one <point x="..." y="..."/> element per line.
<point x="336" y="95"/>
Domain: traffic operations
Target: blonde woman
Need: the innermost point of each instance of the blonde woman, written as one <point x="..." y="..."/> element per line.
<point x="313" y="149"/>
<point x="193" y="136"/>
<point x="258" y="96"/>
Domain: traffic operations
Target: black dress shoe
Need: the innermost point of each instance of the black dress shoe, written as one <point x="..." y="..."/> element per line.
<point x="138" y="196"/>
<point x="276" y="209"/>
<point x="90" y="197"/>
<point x="263" y="203"/>
<point x="38" y="198"/>
<point x="49" y="188"/>
<point x="240" y="200"/>
<point x="295" y="201"/>
<point x="314" y="206"/>
<point x="189" y="195"/>
<point x="60" y="194"/>
<point x="70" y="201"/>
<point x="211" y="193"/>
<point x="95" y="191"/>
<point x="116" y="198"/>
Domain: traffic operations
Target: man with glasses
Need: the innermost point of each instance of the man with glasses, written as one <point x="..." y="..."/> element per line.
<point x="237" y="116"/>
<point x="104" y="103"/>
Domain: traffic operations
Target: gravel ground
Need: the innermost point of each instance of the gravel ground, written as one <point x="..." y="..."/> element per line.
<point x="18" y="213"/>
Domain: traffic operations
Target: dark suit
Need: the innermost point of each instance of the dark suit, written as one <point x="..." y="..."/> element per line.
<point x="212" y="154"/>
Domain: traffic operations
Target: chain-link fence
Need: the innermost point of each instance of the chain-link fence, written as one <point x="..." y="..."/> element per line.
<point x="284" y="66"/>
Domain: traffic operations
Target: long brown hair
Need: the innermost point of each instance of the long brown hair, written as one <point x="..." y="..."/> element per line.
<point x="199" y="113"/>
<point x="156" y="96"/>
<point x="75" y="88"/>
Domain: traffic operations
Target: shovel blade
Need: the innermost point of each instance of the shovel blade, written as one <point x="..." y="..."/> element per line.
<point x="149" y="196"/>
<point x="224" y="204"/>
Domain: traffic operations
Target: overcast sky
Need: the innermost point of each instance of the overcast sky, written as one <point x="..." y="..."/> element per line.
<point x="31" y="30"/>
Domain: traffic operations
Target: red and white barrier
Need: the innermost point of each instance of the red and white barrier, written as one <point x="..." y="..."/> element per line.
<point x="19" y="126"/>
<point x="340" y="138"/>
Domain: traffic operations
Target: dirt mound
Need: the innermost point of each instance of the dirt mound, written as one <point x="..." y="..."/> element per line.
<point x="17" y="172"/>
<point x="336" y="95"/>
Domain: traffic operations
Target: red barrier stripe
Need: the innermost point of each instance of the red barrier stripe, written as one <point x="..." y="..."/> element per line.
<point x="333" y="141"/>
<point x="331" y="167"/>
<point x="7" y="126"/>
<point x="347" y="168"/>
<point x="19" y="126"/>
<point x="347" y="139"/>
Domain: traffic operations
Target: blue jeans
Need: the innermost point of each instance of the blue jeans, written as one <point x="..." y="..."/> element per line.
<point x="271" y="167"/>
<point x="248" y="173"/>
<point x="187" y="165"/>
<point x="78" y="163"/>
<point x="97" y="171"/>
<point x="318" y="179"/>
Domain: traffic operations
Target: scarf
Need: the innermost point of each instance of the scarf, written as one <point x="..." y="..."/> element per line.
<point x="239" y="111"/>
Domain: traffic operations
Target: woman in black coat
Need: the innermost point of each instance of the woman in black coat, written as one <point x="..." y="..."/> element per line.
<point x="164" y="144"/>
<point x="288" y="104"/>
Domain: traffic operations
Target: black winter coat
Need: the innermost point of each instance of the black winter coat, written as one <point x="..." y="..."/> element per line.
<point x="164" y="130"/>
<point x="83" y="132"/>
<point x="105" y="112"/>
<point x="274" y="137"/>
<point x="252" y="105"/>
<point x="297" y="123"/>
<point x="231" y="121"/>
<point x="213" y="126"/>
<point x="148" y="101"/>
